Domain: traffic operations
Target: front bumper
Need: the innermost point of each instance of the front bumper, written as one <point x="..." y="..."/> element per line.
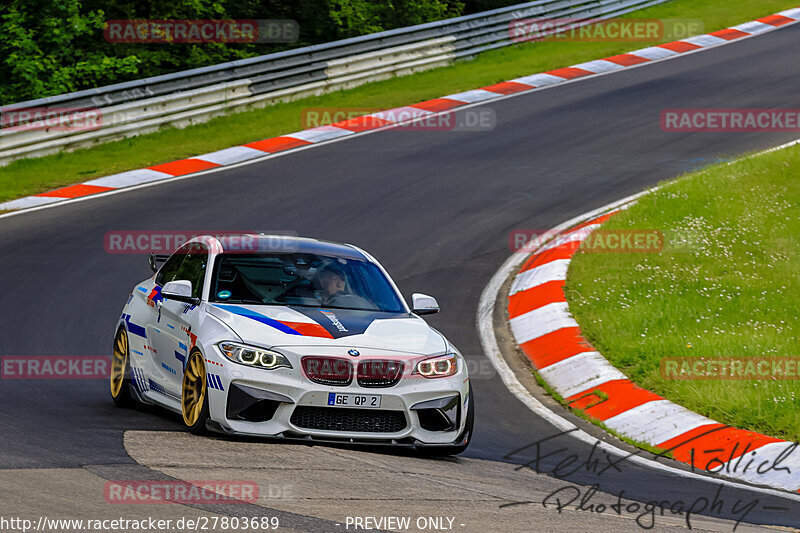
<point x="284" y="403"/>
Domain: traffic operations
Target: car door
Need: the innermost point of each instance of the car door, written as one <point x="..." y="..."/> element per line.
<point x="143" y="323"/>
<point x="173" y="323"/>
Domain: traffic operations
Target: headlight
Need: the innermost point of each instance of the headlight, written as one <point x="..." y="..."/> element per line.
<point x="253" y="356"/>
<point x="438" y="367"/>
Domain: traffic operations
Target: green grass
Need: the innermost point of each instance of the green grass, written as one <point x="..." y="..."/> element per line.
<point x="32" y="176"/>
<point x="725" y="285"/>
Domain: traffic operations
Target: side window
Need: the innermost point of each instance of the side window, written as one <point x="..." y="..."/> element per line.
<point x="193" y="267"/>
<point x="169" y="269"/>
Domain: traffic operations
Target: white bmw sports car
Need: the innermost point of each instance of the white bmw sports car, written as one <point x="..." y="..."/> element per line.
<point x="294" y="338"/>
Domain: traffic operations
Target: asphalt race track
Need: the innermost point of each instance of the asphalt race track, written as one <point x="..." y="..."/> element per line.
<point x="435" y="207"/>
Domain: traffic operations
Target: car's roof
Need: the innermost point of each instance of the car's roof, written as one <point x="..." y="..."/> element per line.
<point x="294" y="244"/>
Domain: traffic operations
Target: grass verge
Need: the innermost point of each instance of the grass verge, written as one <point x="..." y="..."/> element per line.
<point x="724" y="286"/>
<point x="33" y="176"/>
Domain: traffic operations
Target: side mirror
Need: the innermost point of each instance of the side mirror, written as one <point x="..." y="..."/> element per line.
<point x="422" y="304"/>
<point x="179" y="290"/>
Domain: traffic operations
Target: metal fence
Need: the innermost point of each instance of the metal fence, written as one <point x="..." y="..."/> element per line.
<point x="195" y="96"/>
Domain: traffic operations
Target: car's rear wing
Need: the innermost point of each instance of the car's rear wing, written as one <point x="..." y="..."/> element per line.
<point x="156" y="260"/>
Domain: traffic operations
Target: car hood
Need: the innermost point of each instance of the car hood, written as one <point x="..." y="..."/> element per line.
<point x="274" y="326"/>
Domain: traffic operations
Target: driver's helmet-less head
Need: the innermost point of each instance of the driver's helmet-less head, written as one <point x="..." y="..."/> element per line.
<point x="332" y="275"/>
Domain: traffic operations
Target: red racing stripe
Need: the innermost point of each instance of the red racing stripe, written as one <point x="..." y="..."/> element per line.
<point x="507" y="87"/>
<point x="308" y="330"/>
<point x="712" y="444"/>
<point x="556" y="346"/>
<point x="680" y="46"/>
<point x="362" y="123"/>
<point x="622" y="395"/>
<point x="569" y="73"/>
<point x="277" y="144"/>
<point x="729" y="34"/>
<point x="775" y="20"/>
<point x="564" y="251"/>
<point x="438" y="104"/>
<point x="184" y="166"/>
<point x="75" y="191"/>
<point x="627" y="60"/>
<point x="539" y="296"/>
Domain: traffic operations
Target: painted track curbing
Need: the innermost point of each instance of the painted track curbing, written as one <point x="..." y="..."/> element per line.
<point x="403" y="115"/>
<point x="551" y="339"/>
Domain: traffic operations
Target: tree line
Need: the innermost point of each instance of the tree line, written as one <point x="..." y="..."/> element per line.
<point x="50" y="47"/>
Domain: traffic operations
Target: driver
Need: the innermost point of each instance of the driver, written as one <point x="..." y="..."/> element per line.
<point x="333" y="281"/>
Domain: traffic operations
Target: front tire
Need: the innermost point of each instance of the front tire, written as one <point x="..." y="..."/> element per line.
<point x="194" y="394"/>
<point x="120" y="377"/>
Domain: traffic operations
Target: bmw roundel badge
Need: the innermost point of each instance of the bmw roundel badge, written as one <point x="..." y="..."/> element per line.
<point x="354" y="353"/>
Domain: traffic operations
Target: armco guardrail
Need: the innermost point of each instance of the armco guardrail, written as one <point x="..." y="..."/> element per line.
<point x="194" y="96"/>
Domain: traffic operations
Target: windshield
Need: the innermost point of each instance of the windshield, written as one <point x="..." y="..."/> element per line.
<point x="306" y="280"/>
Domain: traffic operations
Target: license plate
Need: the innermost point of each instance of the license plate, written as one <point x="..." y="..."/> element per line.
<point x="368" y="401"/>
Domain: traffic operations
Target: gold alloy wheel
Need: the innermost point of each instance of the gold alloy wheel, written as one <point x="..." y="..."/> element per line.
<point x="194" y="389"/>
<point x="119" y="362"/>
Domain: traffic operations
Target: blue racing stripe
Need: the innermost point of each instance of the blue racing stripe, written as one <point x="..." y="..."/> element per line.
<point x="182" y="358"/>
<point x="134" y="329"/>
<point x="241" y="311"/>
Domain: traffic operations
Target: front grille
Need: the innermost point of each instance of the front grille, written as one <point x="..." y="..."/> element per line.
<point x="377" y="373"/>
<point x="350" y="420"/>
<point x="328" y="370"/>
